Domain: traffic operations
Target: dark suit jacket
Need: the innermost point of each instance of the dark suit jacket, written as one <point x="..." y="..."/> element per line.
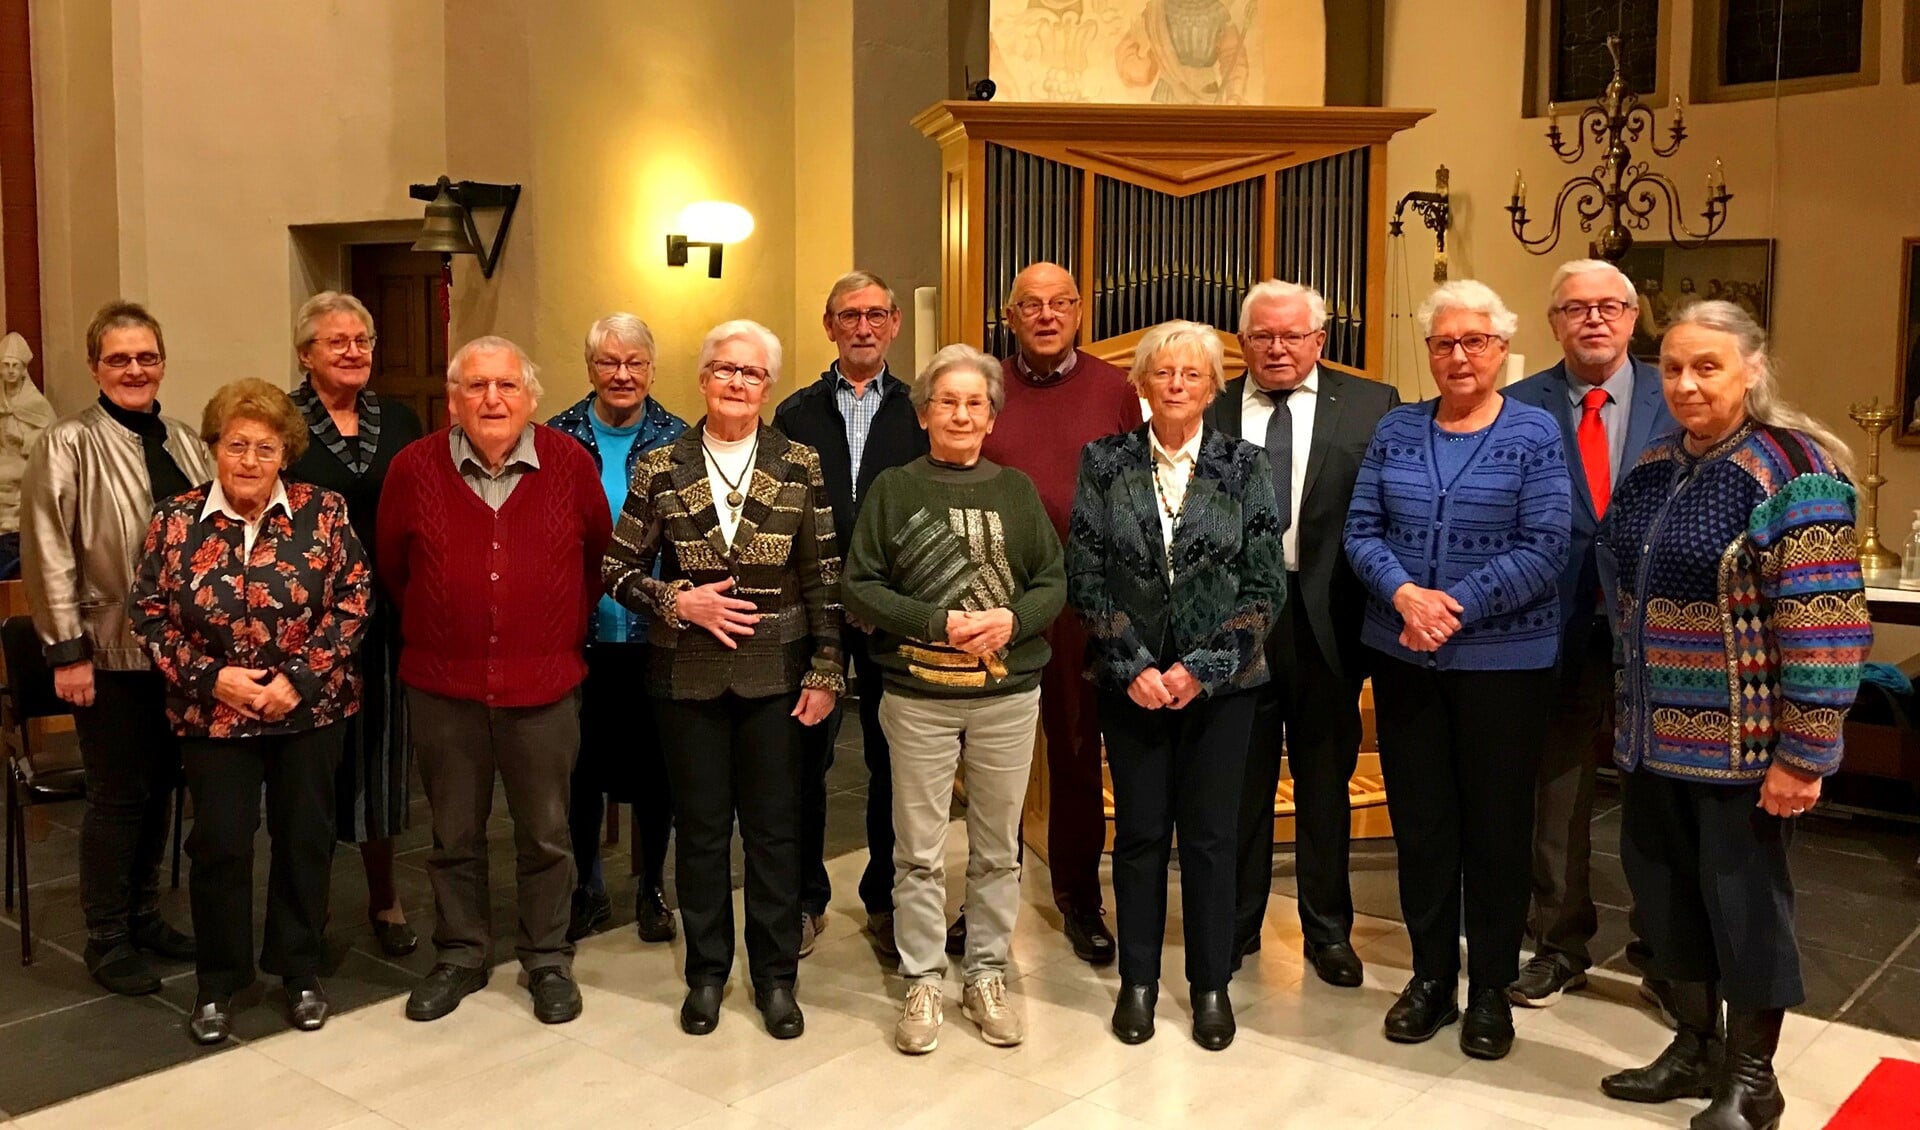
<point x="812" y="416"/>
<point x="1347" y="410"/>
<point x="1647" y="419"/>
<point x="1228" y="577"/>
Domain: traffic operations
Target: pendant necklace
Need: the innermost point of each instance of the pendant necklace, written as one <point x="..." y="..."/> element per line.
<point x="735" y="500"/>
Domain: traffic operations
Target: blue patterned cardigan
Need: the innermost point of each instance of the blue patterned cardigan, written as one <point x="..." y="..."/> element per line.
<point x="1228" y="578"/>
<point x="1496" y="540"/>
<point x="1739" y="605"/>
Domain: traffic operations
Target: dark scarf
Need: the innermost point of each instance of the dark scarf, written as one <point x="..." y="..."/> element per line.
<point x="163" y="474"/>
<point x="355" y="453"/>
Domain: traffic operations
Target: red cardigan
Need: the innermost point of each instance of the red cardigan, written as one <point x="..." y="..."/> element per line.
<point x="494" y="606"/>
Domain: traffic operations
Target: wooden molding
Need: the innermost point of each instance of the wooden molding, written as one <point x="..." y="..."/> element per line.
<point x="1238" y="126"/>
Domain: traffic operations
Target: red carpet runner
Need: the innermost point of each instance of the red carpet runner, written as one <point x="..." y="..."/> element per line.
<point x="1888" y="1099"/>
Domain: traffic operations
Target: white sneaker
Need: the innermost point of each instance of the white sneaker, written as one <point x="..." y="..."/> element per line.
<point x="985" y="1003"/>
<point x="811" y="926"/>
<point x="918" y="1031"/>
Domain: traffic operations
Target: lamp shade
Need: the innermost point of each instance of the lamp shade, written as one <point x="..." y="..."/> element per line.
<point x="445" y="230"/>
<point x="715" y="221"/>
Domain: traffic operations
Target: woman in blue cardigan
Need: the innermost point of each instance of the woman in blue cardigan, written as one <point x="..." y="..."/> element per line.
<point x="1459" y="529"/>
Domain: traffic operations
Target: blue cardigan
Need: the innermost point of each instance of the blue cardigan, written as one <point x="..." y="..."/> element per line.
<point x="1496" y="541"/>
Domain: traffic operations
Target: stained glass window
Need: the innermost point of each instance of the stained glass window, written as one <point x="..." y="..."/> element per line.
<point x="1581" y="65"/>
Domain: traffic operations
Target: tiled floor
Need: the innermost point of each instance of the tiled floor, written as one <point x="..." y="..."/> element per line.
<point x="1308" y="1055"/>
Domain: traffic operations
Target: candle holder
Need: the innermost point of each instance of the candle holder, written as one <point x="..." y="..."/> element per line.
<point x="1874" y="419"/>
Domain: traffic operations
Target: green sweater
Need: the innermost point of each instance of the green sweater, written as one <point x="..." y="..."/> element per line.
<point x="934" y="538"/>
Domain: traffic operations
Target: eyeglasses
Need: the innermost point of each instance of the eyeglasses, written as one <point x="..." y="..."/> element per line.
<point x="608" y="366"/>
<point x="128" y="360"/>
<point x="1185" y="376"/>
<point x="508" y="389"/>
<point x="753" y="376"/>
<point x="1473" y="345"/>
<point x="1031" y="307"/>
<point x="1609" y="309"/>
<point x="1261" y="340"/>
<point x="340" y="346"/>
<point x="237" y="450"/>
<point x="952" y="406"/>
<point x="872" y="315"/>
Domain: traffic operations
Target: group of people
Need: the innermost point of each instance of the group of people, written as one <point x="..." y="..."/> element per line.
<point x="309" y="594"/>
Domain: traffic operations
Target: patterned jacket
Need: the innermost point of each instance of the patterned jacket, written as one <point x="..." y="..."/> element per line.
<point x="783" y="558"/>
<point x="1228" y="577"/>
<point x="1742" y="620"/>
<point x="296" y="606"/>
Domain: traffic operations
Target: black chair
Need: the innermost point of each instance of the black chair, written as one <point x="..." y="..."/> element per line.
<point x="46" y="772"/>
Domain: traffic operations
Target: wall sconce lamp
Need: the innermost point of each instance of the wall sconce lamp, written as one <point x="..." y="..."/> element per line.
<point x="711" y="224"/>
<point x="449" y="227"/>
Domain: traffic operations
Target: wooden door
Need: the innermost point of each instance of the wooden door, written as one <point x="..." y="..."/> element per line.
<point x="401" y="287"/>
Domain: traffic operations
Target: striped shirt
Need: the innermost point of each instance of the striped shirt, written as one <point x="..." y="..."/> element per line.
<point x="858" y="411"/>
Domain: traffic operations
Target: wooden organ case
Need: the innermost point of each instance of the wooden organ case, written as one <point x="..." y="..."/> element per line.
<point x="1170" y="212"/>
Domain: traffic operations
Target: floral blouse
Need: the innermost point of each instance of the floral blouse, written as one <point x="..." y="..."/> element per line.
<point x="296" y="605"/>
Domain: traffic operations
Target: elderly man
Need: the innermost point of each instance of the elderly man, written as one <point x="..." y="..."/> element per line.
<point x="490" y="538"/>
<point x="1058" y="400"/>
<point x="858" y="417"/>
<point x="1609" y="406"/>
<point x="1314" y="424"/>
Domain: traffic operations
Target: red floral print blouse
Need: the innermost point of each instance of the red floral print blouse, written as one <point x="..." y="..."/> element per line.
<point x="297" y="606"/>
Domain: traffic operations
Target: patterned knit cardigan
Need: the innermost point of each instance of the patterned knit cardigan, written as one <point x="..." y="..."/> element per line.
<point x="1736" y="584"/>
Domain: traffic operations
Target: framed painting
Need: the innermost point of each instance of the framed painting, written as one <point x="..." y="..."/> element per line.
<point x="1669" y="276"/>
<point x="1906" y="354"/>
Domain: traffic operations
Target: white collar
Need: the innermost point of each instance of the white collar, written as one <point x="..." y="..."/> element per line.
<point x="1189" y="451"/>
<point x="217" y="502"/>
<point x="1310" y="386"/>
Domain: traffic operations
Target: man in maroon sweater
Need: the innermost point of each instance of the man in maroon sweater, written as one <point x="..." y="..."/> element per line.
<point x="1058" y="401"/>
<point x="490" y="538"/>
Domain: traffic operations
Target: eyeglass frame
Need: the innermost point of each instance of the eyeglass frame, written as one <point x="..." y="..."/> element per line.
<point x="1587" y="310"/>
<point x="1461" y="343"/>
<point x="639" y="368"/>
<point x="266" y="451"/>
<point x="340" y="346"/>
<point x="1253" y="338"/>
<point x="1060" y="304"/>
<point x="741" y="372"/>
<point x="477" y="389"/>
<point x="871" y="315"/>
<point x="145" y="360"/>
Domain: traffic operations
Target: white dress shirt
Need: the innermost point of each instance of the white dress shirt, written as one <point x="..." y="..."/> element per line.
<point x="250" y="530"/>
<point x="1255" y="411"/>
<point x="1172" y="470"/>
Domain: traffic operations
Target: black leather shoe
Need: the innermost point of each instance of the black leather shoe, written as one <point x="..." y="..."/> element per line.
<point x="591" y="909"/>
<point x="1487" y="1032"/>
<point x="1423" y="1009"/>
<point x="1133" y="1013"/>
<point x="780" y="1011"/>
<point x="1690" y="1064"/>
<point x="1087" y="930"/>
<point x="395" y="939"/>
<point x="651" y="916"/>
<point x="1335" y="963"/>
<point x="1212" y="1019"/>
<point x="556" y="999"/>
<point x="700" y="1012"/>
<point x="442" y="990"/>
<point x="307" y="1005"/>
<point x="957" y="937"/>
<point x="1746" y="1096"/>
<point x="212" y="1019"/>
<point x="153" y="935"/>
<point x="119" y="968"/>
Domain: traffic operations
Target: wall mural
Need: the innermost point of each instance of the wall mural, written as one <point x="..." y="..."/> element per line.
<point x="1165" y="51"/>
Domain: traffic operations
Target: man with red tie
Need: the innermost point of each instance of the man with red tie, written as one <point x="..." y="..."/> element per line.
<point x="1609" y="406"/>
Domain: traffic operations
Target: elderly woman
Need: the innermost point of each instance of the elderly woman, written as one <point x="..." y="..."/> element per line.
<point x="1458" y="531"/>
<point x="744" y="638"/>
<point x="352" y="436"/>
<point x="1729" y="555"/>
<point x="618" y="423"/>
<point x="91" y="485"/>
<point x="956" y="566"/>
<point x="250" y="598"/>
<point x="1174" y="565"/>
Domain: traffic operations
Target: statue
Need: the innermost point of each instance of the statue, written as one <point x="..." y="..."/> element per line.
<point x="24" y="414"/>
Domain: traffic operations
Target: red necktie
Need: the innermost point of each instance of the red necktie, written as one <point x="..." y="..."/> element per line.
<point x="1594" y="455"/>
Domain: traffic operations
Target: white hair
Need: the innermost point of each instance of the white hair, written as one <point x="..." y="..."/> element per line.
<point x="529" y="372"/>
<point x="621" y="327"/>
<point x="1274" y="290"/>
<point x="319" y="306"/>
<point x="1174" y="336"/>
<point x="960" y="357"/>
<point x="743" y="329"/>
<point x="1470" y="297"/>
<point x="1573" y="267"/>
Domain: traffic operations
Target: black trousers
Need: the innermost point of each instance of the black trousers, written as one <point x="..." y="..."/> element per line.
<point x="1711" y="890"/>
<point x="1459" y="750"/>
<point x="1176" y="772"/>
<point x="1562" y="919"/>
<point x="619" y="757"/>
<point x="733" y="756"/>
<point x="225" y="777"/>
<point x="132" y="762"/>
<point x="1314" y="712"/>
<point x="817" y="745"/>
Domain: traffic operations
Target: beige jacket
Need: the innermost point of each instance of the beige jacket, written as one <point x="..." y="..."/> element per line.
<point x="85" y="507"/>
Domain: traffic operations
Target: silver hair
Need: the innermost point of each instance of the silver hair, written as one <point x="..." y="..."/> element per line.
<point x="621" y="327"/>
<point x="960" y="357"/>
<point x="529" y="372"/>
<point x="1274" y="290"/>
<point x="322" y="304"/>
<point x="1175" y="335"/>
<point x="1471" y="297"/>
<point x="1764" y="403"/>
<point x="858" y="280"/>
<point x="1574" y="267"/>
<point x="743" y="329"/>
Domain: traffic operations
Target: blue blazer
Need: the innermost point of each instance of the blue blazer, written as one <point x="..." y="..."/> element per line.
<point x="1647" y="420"/>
